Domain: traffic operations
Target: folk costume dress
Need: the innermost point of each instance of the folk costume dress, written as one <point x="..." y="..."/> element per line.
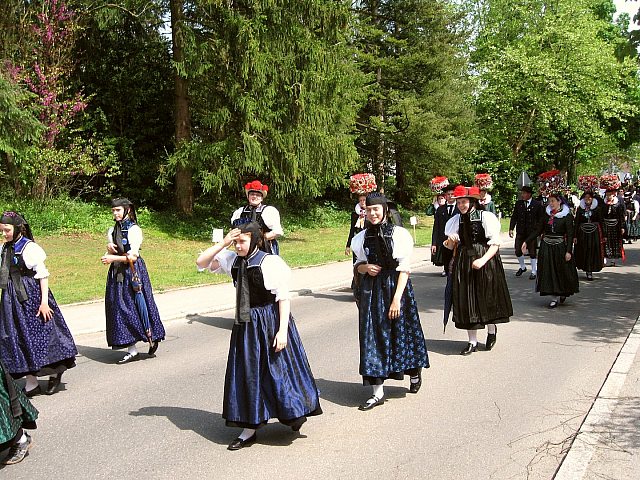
<point x="260" y="383"/>
<point x="358" y="223"/>
<point x="28" y="344"/>
<point x="556" y="276"/>
<point x="124" y="324"/>
<point x="16" y="411"/>
<point x="388" y="348"/>
<point x="589" y="247"/>
<point x="613" y="213"/>
<point x="480" y="297"/>
<point x="269" y="219"/>
<point x="443" y="214"/>
<point x="632" y="208"/>
<point x="488" y="205"/>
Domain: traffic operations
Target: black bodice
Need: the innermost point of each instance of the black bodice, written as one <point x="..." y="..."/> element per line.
<point x="477" y="234"/>
<point x="378" y="245"/>
<point x="259" y="295"/>
<point x="255" y="215"/>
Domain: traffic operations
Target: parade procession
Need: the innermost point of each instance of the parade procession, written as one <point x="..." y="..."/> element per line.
<point x="269" y="375"/>
<point x="320" y="239"/>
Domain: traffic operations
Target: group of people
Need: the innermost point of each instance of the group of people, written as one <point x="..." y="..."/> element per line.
<point x="35" y="341"/>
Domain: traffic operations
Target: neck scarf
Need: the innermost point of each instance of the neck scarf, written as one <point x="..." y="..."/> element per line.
<point x="8" y="252"/>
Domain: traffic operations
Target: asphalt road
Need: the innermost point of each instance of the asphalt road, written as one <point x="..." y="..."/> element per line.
<point x="505" y="414"/>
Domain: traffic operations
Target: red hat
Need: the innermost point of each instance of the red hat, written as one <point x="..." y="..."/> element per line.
<point x="466" y="192"/>
<point x="256" y="186"/>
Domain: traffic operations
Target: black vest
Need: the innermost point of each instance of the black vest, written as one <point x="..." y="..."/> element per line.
<point x="478" y="235"/>
<point x="377" y="255"/>
<point x="258" y="294"/>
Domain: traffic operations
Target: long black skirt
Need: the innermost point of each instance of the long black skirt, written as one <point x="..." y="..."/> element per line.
<point x="556" y="276"/>
<point x="480" y="297"/>
<point x="611" y="230"/>
<point x="589" y="249"/>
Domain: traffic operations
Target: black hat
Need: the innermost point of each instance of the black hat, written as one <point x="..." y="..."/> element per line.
<point x="526" y="188"/>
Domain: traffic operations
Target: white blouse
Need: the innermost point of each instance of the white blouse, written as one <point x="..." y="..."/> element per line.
<point x="34" y="257"/>
<point x="270" y="217"/>
<point x="402" y="248"/>
<point x="134" y="237"/>
<point x="490" y="223"/>
<point x="275" y="272"/>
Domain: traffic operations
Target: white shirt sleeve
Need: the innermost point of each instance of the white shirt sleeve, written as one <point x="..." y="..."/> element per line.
<point x="491" y="226"/>
<point x="453" y="225"/>
<point x="402" y="248"/>
<point x="276" y="275"/>
<point x="34" y="257"/>
<point x="271" y="218"/>
<point x="110" y="235"/>
<point x="236" y="214"/>
<point x="357" y="246"/>
<point x="134" y="236"/>
<point x="225" y="259"/>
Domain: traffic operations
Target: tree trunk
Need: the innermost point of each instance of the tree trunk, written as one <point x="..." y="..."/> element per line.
<point x="184" y="173"/>
<point x="379" y="158"/>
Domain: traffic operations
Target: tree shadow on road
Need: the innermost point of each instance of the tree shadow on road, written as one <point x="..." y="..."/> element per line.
<point x="211" y="425"/>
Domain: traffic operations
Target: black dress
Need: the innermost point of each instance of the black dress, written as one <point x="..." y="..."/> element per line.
<point x="556" y="276"/>
<point x="443" y="255"/>
<point x="589" y="247"/>
<point x="612" y="225"/>
<point x="480" y="297"/>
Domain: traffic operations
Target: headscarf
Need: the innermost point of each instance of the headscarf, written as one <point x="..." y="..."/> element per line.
<point x="17" y="220"/>
<point x="129" y="212"/>
<point x="243" y="298"/>
<point x="382" y="249"/>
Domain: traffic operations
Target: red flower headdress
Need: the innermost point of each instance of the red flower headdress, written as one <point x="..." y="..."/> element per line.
<point x="438" y="184"/>
<point x="256" y="186"/>
<point x="588" y="182"/>
<point x="610" y="182"/>
<point x="362" y="183"/>
<point x="484" y="181"/>
<point x="551" y="181"/>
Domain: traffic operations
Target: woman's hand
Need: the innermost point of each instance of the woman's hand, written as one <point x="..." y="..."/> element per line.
<point x="107" y="259"/>
<point x="394" y="309"/>
<point x="523" y="249"/>
<point x="347" y="252"/>
<point x="433" y="249"/>
<point x="280" y="341"/>
<point x="231" y="237"/>
<point x="373" y="269"/>
<point x="454" y="237"/>
<point x="112" y="248"/>
<point x="45" y="311"/>
<point x="478" y="263"/>
<point x="567" y="256"/>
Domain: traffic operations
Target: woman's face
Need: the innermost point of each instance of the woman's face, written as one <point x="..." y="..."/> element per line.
<point x="611" y="194"/>
<point x="362" y="201"/>
<point x="554" y="203"/>
<point x="464" y="204"/>
<point x="7" y="231"/>
<point x="118" y="213"/>
<point x="375" y="214"/>
<point x="255" y="198"/>
<point x="441" y="200"/>
<point x="588" y="200"/>
<point x="242" y="244"/>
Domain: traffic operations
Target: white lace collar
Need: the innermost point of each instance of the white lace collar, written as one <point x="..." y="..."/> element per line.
<point x="487" y="200"/>
<point x="594" y="204"/>
<point x="359" y="210"/>
<point x="562" y="213"/>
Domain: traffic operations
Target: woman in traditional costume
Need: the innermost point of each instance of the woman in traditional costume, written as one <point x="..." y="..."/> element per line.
<point x="131" y="311"/>
<point x="268" y="374"/>
<point x="34" y="338"/>
<point x="267" y="216"/>
<point x="479" y="288"/>
<point x="485" y="183"/>
<point x="589" y="246"/>
<point x="613" y="225"/>
<point x="392" y="343"/>
<point x="16" y="414"/>
<point x="632" y="209"/>
<point x="557" y="274"/>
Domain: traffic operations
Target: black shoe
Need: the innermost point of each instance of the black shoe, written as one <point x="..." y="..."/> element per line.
<point x="414" y="387"/>
<point x="589" y="276"/>
<point x="129" y="357"/>
<point x="371" y="402"/>
<point x="553" y="304"/>
<point x="443" y="274"/>
<point x="54" y="384"/>
<point x="491" y="340"/>
<point x="533" y="276"/>
<point x="520" y="272"/>
<point x="562" y="300"/>
<point x="153" y="347"/>
<point x="238" y="443"/>
<point x="34" y="392"/>
<point x="469" y="349"/>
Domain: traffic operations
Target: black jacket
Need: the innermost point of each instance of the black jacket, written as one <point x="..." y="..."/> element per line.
<point x="525" y="219"/>
<point x="440" y="220"/>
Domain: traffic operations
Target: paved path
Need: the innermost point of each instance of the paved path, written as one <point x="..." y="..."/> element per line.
<point x="508" y="414"/>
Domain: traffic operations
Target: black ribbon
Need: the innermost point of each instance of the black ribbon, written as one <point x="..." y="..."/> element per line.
<point x="243" y="296"/>
<point x="7" y="257"/>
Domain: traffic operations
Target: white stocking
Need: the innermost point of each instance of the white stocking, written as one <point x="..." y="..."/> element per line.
<point x="473" y="337"/>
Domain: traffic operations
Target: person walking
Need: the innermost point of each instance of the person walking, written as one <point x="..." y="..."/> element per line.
<point x="392" y="342"/>
<point x="613" y="223"/>
<point x="441" y="256"/>
<point x="34" y="338"/>
<point x="589" y="242"/>
<point x="527" y="212"/>
<point x="558" y="276"/>
<point x="479" y="288"/>
<point x="268" y="374"/>
<point x="131" y="311"/>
